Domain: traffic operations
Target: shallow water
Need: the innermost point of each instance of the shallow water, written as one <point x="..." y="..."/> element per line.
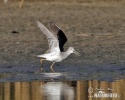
<point x="78" y="83"/>
<point x="76" y="72"/>
<point x="63" y="90"/>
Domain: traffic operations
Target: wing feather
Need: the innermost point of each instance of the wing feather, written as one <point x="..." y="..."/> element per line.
<point x="52" y="40"/>
<point x="60" y="35"/>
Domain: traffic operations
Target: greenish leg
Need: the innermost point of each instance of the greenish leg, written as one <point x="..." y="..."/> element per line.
<point x="52" y="66"/>
<point x="41" y="68"/>
<point x="41" y="61"/>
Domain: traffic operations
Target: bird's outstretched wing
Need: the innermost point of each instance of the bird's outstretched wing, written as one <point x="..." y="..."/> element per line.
<point x="52" y="39"/>
<point x="59" y="33"/>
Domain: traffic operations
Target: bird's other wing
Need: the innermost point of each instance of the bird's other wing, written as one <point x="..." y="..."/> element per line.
<point x="60" y="34"/>
<point x="54" y="28"/>
<point x="52" y="40"/>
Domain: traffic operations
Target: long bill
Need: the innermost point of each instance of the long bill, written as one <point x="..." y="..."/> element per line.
<point x="77" y="53"/>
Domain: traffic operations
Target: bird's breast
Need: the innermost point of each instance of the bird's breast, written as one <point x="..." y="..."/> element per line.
<point x="55" y="57"/>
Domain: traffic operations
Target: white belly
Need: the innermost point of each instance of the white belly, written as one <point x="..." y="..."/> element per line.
<point x="54" y="57"/>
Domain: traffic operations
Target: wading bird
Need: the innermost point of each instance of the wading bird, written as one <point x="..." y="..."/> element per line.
<point x="56" y="40"/>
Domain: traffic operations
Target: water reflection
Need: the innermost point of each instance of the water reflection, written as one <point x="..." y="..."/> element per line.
<point x="57" y="91"/>
<point x="68" y="90"/>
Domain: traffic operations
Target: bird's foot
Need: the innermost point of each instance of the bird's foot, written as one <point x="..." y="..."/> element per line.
<point x="39" y="71"/>
<point x="52" y="69"/>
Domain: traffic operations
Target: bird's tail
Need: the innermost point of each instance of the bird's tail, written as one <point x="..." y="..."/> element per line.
<point x="39" y="56"/>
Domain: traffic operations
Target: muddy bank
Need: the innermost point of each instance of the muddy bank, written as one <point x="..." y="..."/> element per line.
<point x="97" y="32"/>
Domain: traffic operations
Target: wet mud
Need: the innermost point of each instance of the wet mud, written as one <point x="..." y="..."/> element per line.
<point x="97" y="32"/>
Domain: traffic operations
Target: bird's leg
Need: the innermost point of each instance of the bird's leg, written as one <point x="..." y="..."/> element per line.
<point x="41" y="68"/>
<point x="41" y="61"/>
<point x="52" y="66"/>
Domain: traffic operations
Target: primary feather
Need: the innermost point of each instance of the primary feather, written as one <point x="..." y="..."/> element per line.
<point x="52" y="40"/>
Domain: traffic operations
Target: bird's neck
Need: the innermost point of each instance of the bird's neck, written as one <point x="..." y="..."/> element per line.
<point x="68" y="52"/>
<point x="65" y="54"/>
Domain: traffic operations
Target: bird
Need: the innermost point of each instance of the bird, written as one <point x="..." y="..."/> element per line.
<point x="56" y="40"/>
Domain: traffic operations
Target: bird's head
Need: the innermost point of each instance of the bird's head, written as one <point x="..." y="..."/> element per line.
<point x="72" y="50"/>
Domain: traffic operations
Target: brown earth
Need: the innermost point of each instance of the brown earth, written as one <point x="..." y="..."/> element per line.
<point x="96" y="31"/>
